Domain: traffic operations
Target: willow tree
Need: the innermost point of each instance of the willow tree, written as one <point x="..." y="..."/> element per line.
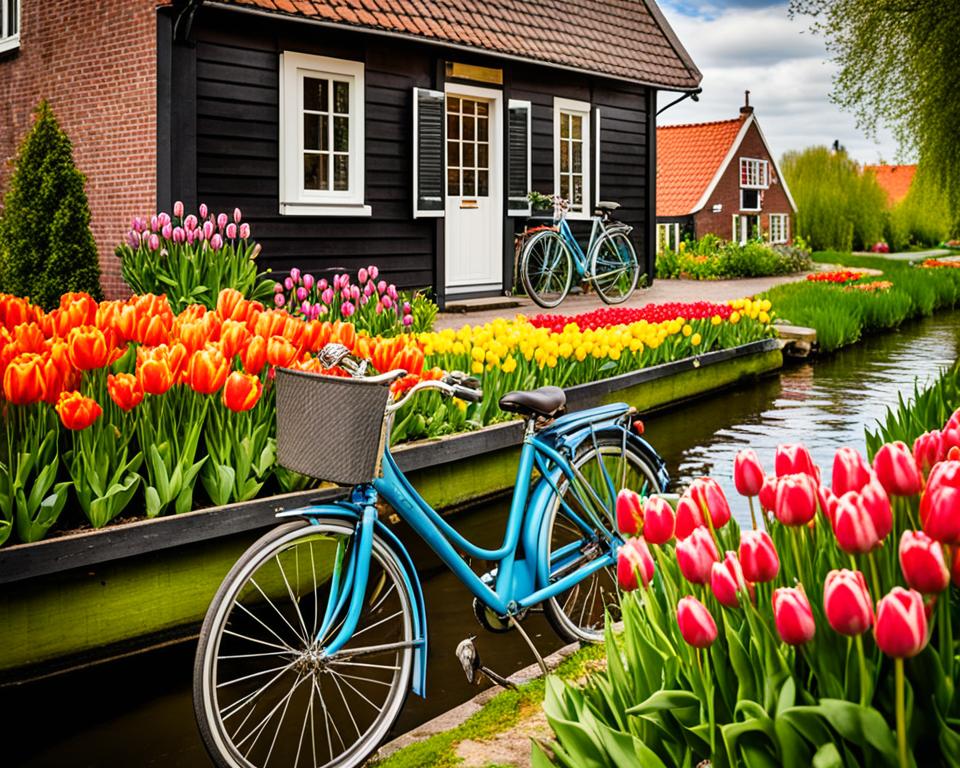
<point x="898" y="67"/>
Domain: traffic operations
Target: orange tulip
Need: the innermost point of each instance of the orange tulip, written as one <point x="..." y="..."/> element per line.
<point x="15" y="311"/>
<point x="177" y="357"/>
<point x="345" y="333"/>
<point x="293" y="330"/>
<point x="241" y="391"/>
<point x="153" y="370"/>
<point x="280" y="352"/>
<point x="233" y="338"/>
<point x="81" y="307"/>
<point x="207" y="370"/>
<point x="254" y="357"/>
<point x="76" y="411"/>
<point x="23" y="380"/>
<point x="58" y="372"/>
<point x="411" y="360"/>
<point x="108" y="316"/>
<point x="29" y="337"/>
<point x="230" y="304"/>
<point x="87" y="348"/>
<point x="154" y="330"/>
<point x="191" y="313"/>
<point x="270" y="323"/>
<point x="315" y="335"/>
<point x="125" y="390"/>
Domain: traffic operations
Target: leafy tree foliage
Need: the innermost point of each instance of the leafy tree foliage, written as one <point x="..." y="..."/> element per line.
<point x="46" y="247"/>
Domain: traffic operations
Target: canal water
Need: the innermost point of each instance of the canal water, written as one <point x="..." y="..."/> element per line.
<point x="137" y="711"/>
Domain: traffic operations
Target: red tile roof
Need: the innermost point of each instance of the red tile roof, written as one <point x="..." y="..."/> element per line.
<point x="688" y="157"/>
<point x="895" y="180"/>
<point x="627" y="39"/>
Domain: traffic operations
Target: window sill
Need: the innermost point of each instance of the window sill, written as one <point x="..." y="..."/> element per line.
<point x="9" y="43"/>
<point x="324" y="209"/>
<point x="754" y="186"/>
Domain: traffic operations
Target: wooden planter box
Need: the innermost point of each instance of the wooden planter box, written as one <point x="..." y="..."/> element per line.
<point x="97" y="593"/>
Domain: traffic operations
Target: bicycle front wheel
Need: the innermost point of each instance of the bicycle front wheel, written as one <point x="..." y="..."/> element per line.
<point x="546" y="269"/>
<point x="614" y="267"/>
<point x="575" y="537"/>
<point x="265" y="694"/>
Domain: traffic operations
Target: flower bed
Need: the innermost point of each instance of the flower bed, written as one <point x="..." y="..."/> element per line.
<point x="938" y="263"/>
<point x="840" y="277"/>
<point x="712" y="258"/>
<point x="826" y="637"/>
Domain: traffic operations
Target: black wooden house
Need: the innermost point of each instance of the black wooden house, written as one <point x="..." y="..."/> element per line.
<point x="407" y="133"/>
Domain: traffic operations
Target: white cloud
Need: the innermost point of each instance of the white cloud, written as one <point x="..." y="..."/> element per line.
<point x="741" y="46"/>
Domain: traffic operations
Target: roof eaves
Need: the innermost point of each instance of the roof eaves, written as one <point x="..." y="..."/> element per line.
<point x="661" y="21"/>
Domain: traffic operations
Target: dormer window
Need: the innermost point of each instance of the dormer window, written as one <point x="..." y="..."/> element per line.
<point x="754" y="173"/>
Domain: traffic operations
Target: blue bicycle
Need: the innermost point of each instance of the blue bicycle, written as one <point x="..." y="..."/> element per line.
<point x="549" y="254"/>
<point x="319" y="631"/>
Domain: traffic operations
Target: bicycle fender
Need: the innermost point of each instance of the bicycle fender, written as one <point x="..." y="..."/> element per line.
<point x="343" y="510"/>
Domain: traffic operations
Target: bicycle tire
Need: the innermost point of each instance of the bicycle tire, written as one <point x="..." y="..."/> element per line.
<point x="587" y="626"/>
<point x="614" y="268"/>
<point x="221" y="745"/>
<point x="536" y="248"/>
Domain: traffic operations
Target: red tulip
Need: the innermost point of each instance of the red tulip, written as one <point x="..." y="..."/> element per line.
<point x="758" y="556"/>
<point x="847" y="603"/>
<point x="928" y="450"/>
<point x="795" y="459"/>
<point x="709" y="496"/>
<point x="853" y="526"/>
<point x="901" y="627"/>
<point x="629" y="512"/>
<point x="689" y="516"/>
<point x="658" y="520"/>
<point x="76" y="411"/>
<point x="254" y="357"/>
<point x="850" y="471"/>
<point x="796" y="501"/>
<point x="877" y="504"/>
<point x="727" y="581"/>
<point x="634" y="558"/>
<point x="125" y="390"/>
<point x="793" y="616"/>
<point x="241" y="391"/>
<point x="921" y="560"/>
<point x="748" y="474"/>
<point x="955" y="567"/>
<point x="827" y="501"/>
<point x="940" y="503"/>
<point x="696" y="624"/>
<point x="768" y="493"/>
<point x="696" y="554"/>
<point x="897" y="470"/>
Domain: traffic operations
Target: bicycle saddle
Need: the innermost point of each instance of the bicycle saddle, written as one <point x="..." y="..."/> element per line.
<point x="607" y="206"/>
<point x="545" y="401"/>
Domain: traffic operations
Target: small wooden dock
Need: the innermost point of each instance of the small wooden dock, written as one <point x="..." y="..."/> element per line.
<point x="795" y="340"/>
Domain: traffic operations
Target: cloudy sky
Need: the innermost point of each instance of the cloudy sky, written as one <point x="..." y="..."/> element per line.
<point x="752" y="44"/>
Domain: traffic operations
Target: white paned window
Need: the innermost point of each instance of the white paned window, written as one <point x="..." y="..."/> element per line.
<point x="779" y="227"/>
<point x="321" y="136"/>
<point x="571" y="155"/>
<point x="754" y="173"/>
<point x="668" y="237"/>
<point x="9" y="24"/>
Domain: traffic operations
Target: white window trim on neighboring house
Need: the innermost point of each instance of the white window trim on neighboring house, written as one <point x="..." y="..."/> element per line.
<point x="754" y="173"/>
<point x="782" y="233"/>
<point x="10" y="27"/>
<point x="582" y="109"/>
<point x="294" y="198"/>
<point x="668" y="236"/>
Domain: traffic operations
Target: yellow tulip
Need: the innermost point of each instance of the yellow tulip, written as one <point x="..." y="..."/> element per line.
<point x="695" y="339"/>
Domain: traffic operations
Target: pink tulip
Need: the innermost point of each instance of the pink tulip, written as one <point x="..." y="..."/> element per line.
<point x="847" y="603"/>
<point x="629" y="512"/>
<point x="901" y="627"/>
<point x="203" y="210"/>
<point x="922" y="563"/>
<point x="244" y="231"/>
<point x="167" y="231"/>
<point x="897" y="470"/>
<point x="793" y="616"/>
<point x="758" y="557"/>
<point x="688" y="516"/>
<point x="796" y="500"/>
<point x="208" y="229"/>
<point x="288" y="283"/>
<point x="696" y="554"/>
<point x="192" y="235"/>
<point x="658" y="520"/>
<point x="138" y="224"/>
<point x="154" y="223"/>
<point x="940" y="503"/>
<point x="295" y="275"/>
<point x="179" y="235"/>
<point x="373" y="271"/>
<point x="407" y="309"/>
<point x="278" y="287"/>
<point x="850" y="471"/>
<point x="154" y="242"/>
<point x="362" y="276"/>
<point x="354" y="292"/>
<point x="133" y="239"/>
<point x="382" y="286"/>
<point x="369" y="289"/>
<point x="795" y="459"/>
<point x="190" y="223"/>
<point x="347" y="309"/>
<point x="301" y="293"/>
<point x="306" y="308"/>
<point x="387" y="302"/>
<point x="827" y="501"/>
<point x="309" y="281"/>
<point x="408" y="320"/>
<point x="392" y="291"/>
<point x="748" y="474"/>
<point x="853" y="526"/>
<point x="322" y="285"/>
<point x="727" y="581"/>
<point x="326" y="296"/>
<point x="222" y="220"/>
<point x="162" y="220"/>
<point x="697" y="626"/>
<point x="178" y="209"/>
<point x="237" y="216"/>
<point x="279" y="299"/>
<point x="379" y="306"/>
<point x="633" y="558"/>
<point x="232" y="231"/>
<point x="709" y="496"/>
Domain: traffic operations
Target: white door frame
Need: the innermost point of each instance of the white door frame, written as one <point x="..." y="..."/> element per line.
<point x="496" y="124"/>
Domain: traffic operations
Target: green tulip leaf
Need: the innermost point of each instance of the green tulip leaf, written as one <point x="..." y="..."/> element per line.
<point x="827" y="757"/>
<point x="666" y="700"/>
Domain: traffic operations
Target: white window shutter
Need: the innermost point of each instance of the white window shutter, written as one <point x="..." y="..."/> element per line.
<point x="428" y="154"/>
<point x="518" y="158"/>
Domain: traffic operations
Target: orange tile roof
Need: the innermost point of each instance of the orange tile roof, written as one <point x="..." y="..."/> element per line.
<point x="623" y="38"/>
<point x="688" y="157"/>
<point x="895" y="180"/>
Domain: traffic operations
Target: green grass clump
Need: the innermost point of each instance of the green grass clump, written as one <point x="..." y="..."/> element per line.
<point x="712" y="258"/>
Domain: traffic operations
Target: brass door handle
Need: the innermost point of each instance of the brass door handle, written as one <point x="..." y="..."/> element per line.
<point x="469" y="204"/>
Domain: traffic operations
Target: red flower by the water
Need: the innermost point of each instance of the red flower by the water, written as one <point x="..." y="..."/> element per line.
<point x="652" y="313"/>
<point x="658" y="520"/>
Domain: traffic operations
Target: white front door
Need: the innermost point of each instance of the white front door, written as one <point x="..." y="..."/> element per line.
<point x="473" y="231"/>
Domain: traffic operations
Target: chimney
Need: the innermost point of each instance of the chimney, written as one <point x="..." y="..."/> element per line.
<point x="746" y="109"/>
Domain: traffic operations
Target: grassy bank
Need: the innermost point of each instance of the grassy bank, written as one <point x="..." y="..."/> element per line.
<point x="842" y="314"/>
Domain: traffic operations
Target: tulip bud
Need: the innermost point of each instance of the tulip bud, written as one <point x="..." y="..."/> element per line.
<point x="689" y="516"/>
<point x="758" y="557"/>
<point x="279" y="299"/>
<point x="658" y="520"/>
<point x="208" y="229"/>
<point x="133" y="239"/>
<point x="847" y="603"/>
<point x="154" y="223"/>
<point x="244" y="231"/>
<point x="748" y="474"/>
<point x="136" y="224"/>
<point x="301" y="293"/>
<point x="921" y="560"/>
<point x="232" y="231"/>
<point x="354" y="292"/>
<point x="407" y="309"/>
<point x="392" y="291"/>
<point x="373" y="271"/>
<point x="327" y="295"/>
<point x="727" y="581"/>
<point x="162" y="220"/>
<point x="709" y="496"/>
<point x="203" y="210"/>
<point x="306" y="308"/>
<point x="387" y="302"/>
<point x="237" y="216"/>
<point x="222" y="220"/>
<point x="897" y="470"/>
<point x="190" y="223"/>
<point x="901" y="628"/>
<point x="309" y="281"/>
<point x="796" y="500"/>
<point x="696" y="554"/>
<point x="347" y="309"/>
<point x="795" y="459"/>
<point x="408" y="320"/>
<point x="853" y="526"/>
<point x="369" y="289"/>
<point x="178" y="209"/>
<point x="295" y="274"/>
<point x="634" y="558"/>
<point x="322" y="285"/>
<point x="940" y="502"/>
<point x="216" y="242"/>
<point x="827" y="501"/>
<point x="362" y="276"/>
<point x="179" y="235"/>
<point x="697" y="626"/>
<point x="793" y="616"/>
<point x="153" y="242"/>
<point x="288" y="283"/>
<point x="629" y="512"/>
<point x="850" y="471"/>
<point x="167" y="231"/>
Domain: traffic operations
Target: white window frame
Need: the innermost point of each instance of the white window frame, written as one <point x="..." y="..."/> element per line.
<point x="743" y="207"/>
<point x="582" y="109"/>
<point x="664" y="239"/>
<point x="754" y="173"/>
<point x="294" y="199"/>
<point x="782" y="233"/>
<point x="8" y="40"/>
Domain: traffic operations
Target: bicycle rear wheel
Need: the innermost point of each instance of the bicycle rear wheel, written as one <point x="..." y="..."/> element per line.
<point x="614" y="267"/>
<point x="265" y="696"/>
<point x="546" y="269"/>
<point x="575" y="537"/>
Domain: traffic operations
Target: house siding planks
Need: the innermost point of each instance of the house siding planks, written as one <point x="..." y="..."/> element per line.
<point x="237" y="152"/>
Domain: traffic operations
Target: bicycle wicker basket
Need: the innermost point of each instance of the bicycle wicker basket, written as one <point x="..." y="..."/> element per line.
<point x="330" y="428"/>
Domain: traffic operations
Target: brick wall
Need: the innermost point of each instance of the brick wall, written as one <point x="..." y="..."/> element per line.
<point x="95" y="62"/>
<point x="727" y="193"/>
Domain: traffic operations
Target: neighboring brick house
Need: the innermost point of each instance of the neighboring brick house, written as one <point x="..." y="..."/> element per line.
<point x="405" y="133"/>
<point x="720" y="178"/>
<point x="895" y="180"/>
